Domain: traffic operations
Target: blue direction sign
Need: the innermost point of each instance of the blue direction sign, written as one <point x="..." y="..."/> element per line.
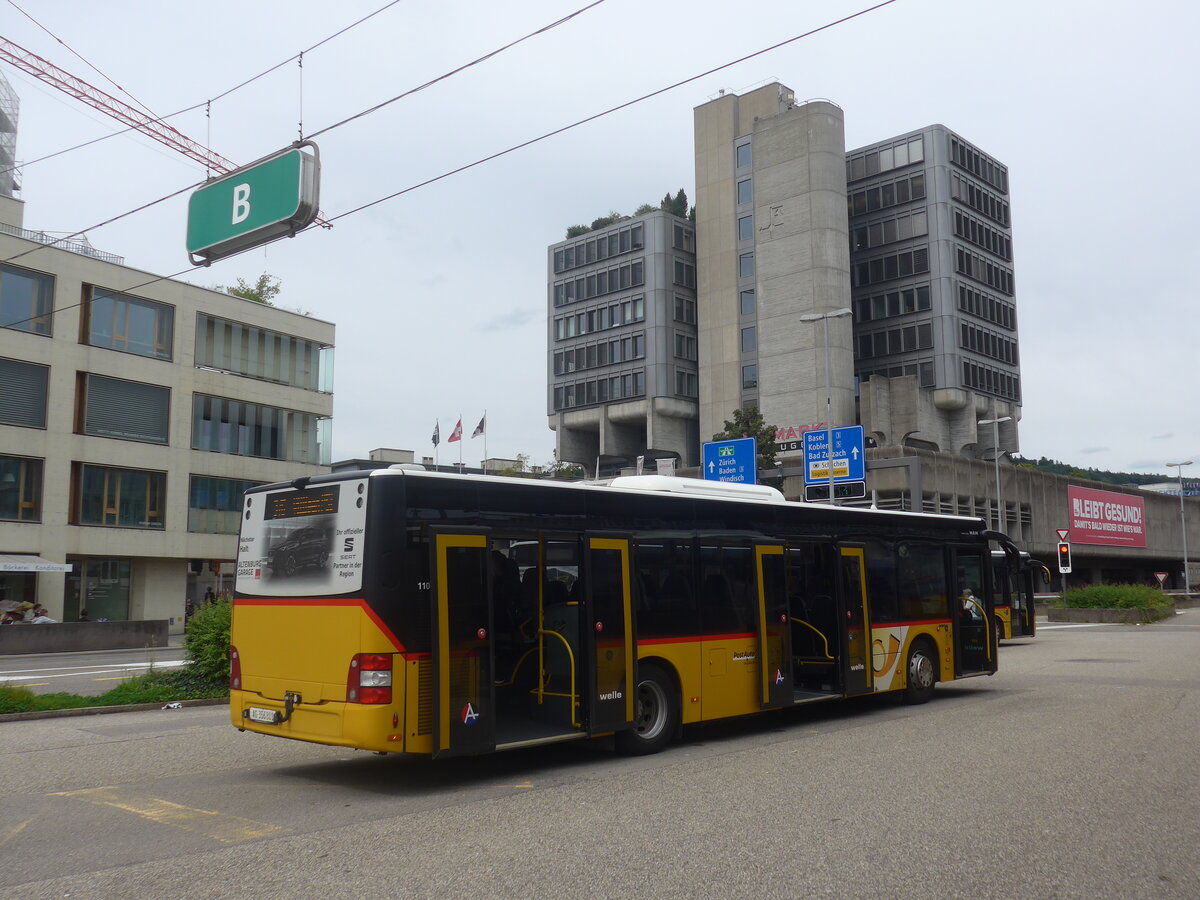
<point x="733" y="460"/>
<point x="849" y="458"/>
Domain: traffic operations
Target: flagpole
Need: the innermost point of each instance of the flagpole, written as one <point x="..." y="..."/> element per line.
<point x="460" y="443"/>
<point x="483" y="465"/>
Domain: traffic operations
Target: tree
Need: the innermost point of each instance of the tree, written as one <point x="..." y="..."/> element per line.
<point x="264" y="290"/>
<point x="676" y="205"/>
<point x="748" y="422"/>
<point x="643" y="209"/>
<point x="577" y="230"/>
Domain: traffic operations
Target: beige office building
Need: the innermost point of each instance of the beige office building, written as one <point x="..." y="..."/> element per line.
<point x="134" y="411"/>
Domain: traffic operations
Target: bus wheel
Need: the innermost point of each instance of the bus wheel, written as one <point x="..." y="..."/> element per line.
<point x="655" y="714"/>
<point x="922" y="673"/>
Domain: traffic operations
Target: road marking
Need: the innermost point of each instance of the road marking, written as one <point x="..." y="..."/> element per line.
<point x="82" y="671"/>
<point x="114" y="678"/>
<point x="13" y="832"/>
<point x="218" y="826"/>
<point x="1076" y="625"/>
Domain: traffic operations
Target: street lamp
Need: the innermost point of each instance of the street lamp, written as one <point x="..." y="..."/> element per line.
<point x="825" y="317"/>
<point x="1187" y="582"/>
<point x="995" y="423"/>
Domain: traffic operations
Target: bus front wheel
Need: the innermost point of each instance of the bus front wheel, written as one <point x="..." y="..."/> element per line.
<point x="655" y="713"/>
<point x="921" y="672"/>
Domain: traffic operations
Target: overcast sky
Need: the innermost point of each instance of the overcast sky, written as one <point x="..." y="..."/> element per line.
<point x="439" y="295"/>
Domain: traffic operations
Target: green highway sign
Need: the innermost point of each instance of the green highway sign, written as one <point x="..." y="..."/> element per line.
<point x="268" y="199"/>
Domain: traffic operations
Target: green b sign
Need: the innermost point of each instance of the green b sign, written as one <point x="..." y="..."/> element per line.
<point x="265" y="200"/>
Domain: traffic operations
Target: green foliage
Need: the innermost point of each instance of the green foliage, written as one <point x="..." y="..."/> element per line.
<point x="643" y="209"/>
<point x="1117" y="596"/>
<point x="207" y="640"/>
<point x="748" y="422"/>
<point x="264" y="290"/>
<point x="1054" y="467"/>
<point x="577" y="230"/>
<point x="677" y="205"/>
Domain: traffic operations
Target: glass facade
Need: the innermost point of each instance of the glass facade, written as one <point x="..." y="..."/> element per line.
<point x="258" y="353"/>
<point x="251" y="429"/>
<point x="98" y="586"/>
<point x="215" y="504"/>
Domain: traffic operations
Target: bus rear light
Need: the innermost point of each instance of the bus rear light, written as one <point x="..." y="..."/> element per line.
<point x="235" y="670"/>
<point x="370" y="678"/>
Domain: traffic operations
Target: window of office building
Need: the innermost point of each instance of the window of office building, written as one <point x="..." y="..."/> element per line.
<point x="215" y="504"/>
<point x="686" y="384"/>
<point x="745" y="191"/>
<point x="745" y="228"/>
<point x="25" y="300"/>
<point x="251" y="429"/>
<point x="129" y="410"/>
<point x="685" y="346"/>
<point x="20" y="489"/>
<point x="122" y="498"/>
<point x="259" y="353"/>
<point x="749" y="339"/>
<point x="745" y="265"/>
<point x="749" y="377"/>
<point x="747" y="303"/>
<point x="685" y="310"/>
<point x="23" y="397"/>
<point x="130" y="324"/>
<point x="742" y="152"/>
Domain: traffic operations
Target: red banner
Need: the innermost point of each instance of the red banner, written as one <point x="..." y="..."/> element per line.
<point x="1104" y="517"/>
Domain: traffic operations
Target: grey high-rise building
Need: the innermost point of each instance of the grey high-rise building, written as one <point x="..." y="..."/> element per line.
<point x="622" y="353"/>
<point x="884" y="274"/>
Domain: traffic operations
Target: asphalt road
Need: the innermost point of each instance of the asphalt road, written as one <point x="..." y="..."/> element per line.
<point x="88" y="674"/>
<point x="1072" y="773"/>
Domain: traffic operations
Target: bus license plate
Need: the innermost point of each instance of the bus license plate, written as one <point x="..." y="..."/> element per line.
<point x="267" y="716"/>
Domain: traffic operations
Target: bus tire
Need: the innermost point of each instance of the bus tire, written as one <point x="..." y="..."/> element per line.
<point x="920" y="673"/>
<point x="655" y="713"/>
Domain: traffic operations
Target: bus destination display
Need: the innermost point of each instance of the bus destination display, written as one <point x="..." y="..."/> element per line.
<point x="321" y="501"/>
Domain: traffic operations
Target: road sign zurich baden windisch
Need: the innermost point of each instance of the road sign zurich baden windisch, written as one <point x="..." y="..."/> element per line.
<point x="849" y="457"/>
<point x="275" y="196"/>
<point x="733" y="460"/>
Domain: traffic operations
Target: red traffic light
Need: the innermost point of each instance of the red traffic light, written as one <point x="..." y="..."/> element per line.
<point x="1064" y="557"/>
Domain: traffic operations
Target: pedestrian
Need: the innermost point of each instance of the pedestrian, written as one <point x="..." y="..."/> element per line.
<point x="41" y="616"/>
<point x="209" y="596"/>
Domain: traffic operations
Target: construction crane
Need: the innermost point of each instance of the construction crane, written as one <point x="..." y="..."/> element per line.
<point x="47" y="72"/>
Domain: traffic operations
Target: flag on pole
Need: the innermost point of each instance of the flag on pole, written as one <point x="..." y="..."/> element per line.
<point x="437" y="433"/>
<point x="456" y="435"/>
<point x="479" y="428"/>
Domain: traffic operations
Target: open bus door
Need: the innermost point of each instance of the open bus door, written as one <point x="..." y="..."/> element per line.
<point x="609" y="636"/>
<point x="856" y="668"/>
<point x="1025" y="585"/>
<point x="972" y="613"/>
<point x="464" y="711"/>
<point x="774" y="628"/>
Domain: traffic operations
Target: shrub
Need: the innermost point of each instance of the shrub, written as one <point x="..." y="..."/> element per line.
<point x="1117" y="596"/>
<point x="207" y="641"/>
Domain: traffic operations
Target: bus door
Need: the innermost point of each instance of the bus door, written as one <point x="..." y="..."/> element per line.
<point x="776" y="684"/>
<point x="608" y="640"/>
<point x="856" y="638"/>
<point x="464" y="715"/>
<point x="971" y="613"/>
<point x="1024" y="588"/>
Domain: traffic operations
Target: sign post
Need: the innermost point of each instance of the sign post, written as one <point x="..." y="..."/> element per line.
<point x="275" y="196"/>
<point x="834" y="463"/>
<point x="734" y="460"/>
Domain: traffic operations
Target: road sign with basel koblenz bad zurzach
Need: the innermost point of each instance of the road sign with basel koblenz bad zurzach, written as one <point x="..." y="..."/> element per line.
<point x="849" y="458"/>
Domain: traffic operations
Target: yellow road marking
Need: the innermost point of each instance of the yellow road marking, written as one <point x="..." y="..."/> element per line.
<point x="37" y="684"/>
<point x="115" y="678"/>
<point x="218" y="826"/>
<point x="13" y="832"/>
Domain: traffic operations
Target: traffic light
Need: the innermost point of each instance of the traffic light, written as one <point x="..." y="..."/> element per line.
<point x="1064" y="557"/>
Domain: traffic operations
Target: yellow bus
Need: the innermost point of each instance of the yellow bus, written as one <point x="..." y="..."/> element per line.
<point x="404" y="611"/>
<point x="1014" y="589"/>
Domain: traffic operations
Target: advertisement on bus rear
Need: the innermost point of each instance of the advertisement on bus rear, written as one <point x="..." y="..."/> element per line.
<point x="303" y="542"/>
<point x="1104" y="517"/>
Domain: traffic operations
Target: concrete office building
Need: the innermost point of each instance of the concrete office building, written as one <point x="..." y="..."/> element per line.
<point x="622" y="352"/>
<point x="133" y="414"/>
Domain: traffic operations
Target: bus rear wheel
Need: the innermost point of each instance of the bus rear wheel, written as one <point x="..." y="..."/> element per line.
<point x="922" y="673"/>
<point x="655" y="713"/>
